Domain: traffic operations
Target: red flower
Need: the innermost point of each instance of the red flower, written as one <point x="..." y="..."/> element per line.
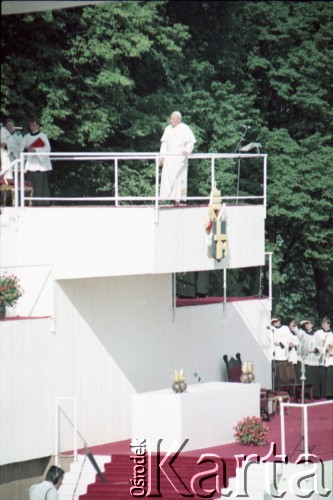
<point x="251" y="430"/>
<point x="10" y="290"/>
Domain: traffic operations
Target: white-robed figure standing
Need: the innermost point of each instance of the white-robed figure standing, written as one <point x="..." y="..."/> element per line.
<point x="311" y="348"/>
<point x="177" y="139"/>
<point x="37" y="166"/>
<point x="328" y="350"/>
<point x="11" y="141"/>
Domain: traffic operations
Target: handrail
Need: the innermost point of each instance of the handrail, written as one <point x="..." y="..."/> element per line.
<point x="305" y="430"/>
<point x="76" y="433"/>
<point x="117" y="158"/>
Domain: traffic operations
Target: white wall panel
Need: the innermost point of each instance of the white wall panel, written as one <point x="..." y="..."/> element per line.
<point x="113" y="337"/>
<point x="81" y="242"/>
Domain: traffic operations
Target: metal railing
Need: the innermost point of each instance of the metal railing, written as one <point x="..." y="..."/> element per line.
<point x="58" y="412"/>
<point x="117" y="159"/>
<point x="304" y="441"/>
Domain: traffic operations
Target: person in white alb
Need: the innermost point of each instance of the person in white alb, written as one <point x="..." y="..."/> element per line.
<point x="281" y="340"/>
<point x="177" y="140"/>
<point x="293" y="343"/>
<point x="328" y="350"/>
<point x="11" y="141"/>
<point x="37" y="166"/>
<point x="322" y="334"/>
<point x="311" y="349"/>
<point x="48" y="489"/>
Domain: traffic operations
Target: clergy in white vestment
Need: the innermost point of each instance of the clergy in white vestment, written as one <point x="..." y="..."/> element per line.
<point x="177" y="141"/>
<point x="11" y="141"/>
<point x="281" y="339"/>
<point x="328" y="349"/>
<point x="322" y="334"/>
<point x="312" y="349"/>
<point x="39" y="164"/>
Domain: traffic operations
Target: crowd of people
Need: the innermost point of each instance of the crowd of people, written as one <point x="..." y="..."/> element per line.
<point x="302" y="344"/>
<point x="37" y="165"/>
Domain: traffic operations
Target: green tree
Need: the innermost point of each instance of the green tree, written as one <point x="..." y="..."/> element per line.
<point x="106" y="77"/>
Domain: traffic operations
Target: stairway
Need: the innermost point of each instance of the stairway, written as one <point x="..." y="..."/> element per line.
<point x="120" y="472"/>
<point x="80" y="475"/>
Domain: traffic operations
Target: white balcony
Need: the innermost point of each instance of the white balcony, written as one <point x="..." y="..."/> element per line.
<point x="117" y="238"/>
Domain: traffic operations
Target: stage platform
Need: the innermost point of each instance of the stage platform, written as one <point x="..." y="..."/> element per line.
<point x="119" y="472"/>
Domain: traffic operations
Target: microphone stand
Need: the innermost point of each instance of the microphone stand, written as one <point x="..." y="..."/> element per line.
<point x="273" y="359"/>
<point x="273" y="372"/>
<point x="303" y="378"/>
<point x="236" y="151"/>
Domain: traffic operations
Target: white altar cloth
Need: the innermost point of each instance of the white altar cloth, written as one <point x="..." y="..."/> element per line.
<point x="205" y="414"/>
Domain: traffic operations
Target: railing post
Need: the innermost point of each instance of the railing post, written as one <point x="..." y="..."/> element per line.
<point x="157" y="162"/>
<point x="56" y="434"/>
<point x="265" y="185"/>
<point x="270" y="286"/>
<point x="305" y="431"/>
<point x="57" y="428"/>
<point x="116" y="185"/>
<point x="17" y="204"/>
<point x="213" y="171"/>
<point x="283" y="431"/>
<point x="224" y="288"/>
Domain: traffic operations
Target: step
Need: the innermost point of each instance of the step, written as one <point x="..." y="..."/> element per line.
<point x="81" y="474"/>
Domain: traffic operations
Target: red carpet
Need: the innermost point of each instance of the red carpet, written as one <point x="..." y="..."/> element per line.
<point x="180" y="479"/>
<point x="201" y="301"/>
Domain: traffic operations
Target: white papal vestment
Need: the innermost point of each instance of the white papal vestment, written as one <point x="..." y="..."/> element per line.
<point x="175" y="141"/>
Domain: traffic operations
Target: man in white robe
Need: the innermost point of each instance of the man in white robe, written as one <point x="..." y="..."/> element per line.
<point x="281" y="339"/>
<point x="37" y="165"/>
<point x="178" y="139"/>
<point x="11" y="142"/>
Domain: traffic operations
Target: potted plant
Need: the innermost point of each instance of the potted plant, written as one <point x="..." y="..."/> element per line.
<point x="251" y="431"/>
<point x="10" y="292"/>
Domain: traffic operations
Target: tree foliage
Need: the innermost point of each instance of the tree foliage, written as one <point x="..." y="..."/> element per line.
<point x="106" y="77"/>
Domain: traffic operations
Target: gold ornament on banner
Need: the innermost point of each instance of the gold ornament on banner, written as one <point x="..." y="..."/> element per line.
<point x="216" y="226"/>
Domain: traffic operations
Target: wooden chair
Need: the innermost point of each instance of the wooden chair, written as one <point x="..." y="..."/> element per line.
<point x="264" y="402"/>
<point x="234" y="367"/>
<point x="8" y="186"/>
<point x="275" y="398"/>
<point x="286" y="380"/>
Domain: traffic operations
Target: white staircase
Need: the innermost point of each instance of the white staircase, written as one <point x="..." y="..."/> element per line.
<point x="80" y="475"/>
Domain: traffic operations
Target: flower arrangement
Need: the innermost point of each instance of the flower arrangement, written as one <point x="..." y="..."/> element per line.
<point x="10" y="290"/>
<point x="251" y="430"/>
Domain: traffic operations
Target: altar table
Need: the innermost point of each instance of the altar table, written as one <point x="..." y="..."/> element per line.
<point x="205" y="414"/>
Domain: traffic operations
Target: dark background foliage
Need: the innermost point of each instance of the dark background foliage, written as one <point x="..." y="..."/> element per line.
<point x="106" y="77"/>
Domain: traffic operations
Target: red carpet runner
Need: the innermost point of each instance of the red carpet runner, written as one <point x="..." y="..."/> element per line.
<point x="182" y="472"/>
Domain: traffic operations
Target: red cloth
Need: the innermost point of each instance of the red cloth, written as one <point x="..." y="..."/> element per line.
<point x="38" y="143"/>
<point x="10" y="182"/>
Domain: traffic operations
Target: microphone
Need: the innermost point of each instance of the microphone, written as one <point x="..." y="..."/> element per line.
<point x="245" y="126"/>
